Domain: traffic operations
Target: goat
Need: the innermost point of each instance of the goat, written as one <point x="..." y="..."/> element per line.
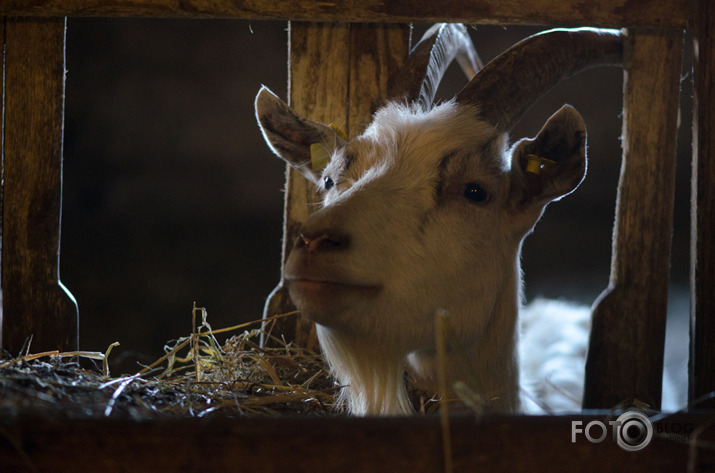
<point x="427" y="210"/>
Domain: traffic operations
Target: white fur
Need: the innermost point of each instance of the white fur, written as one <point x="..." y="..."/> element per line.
<point x="552" y="350"/>
<point x="411" y="252"/>
<point x="553" y="347"/>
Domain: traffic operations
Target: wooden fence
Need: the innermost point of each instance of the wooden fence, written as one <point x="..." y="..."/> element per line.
<point x="368" y="40"/>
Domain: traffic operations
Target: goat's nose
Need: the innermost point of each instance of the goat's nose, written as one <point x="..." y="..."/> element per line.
<point x="322" y="241"/>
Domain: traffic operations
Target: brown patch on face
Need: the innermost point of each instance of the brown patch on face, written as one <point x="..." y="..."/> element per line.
<point x="457" y="170"/>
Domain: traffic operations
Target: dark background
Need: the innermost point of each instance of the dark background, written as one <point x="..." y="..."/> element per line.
<point x="171" y="195"/>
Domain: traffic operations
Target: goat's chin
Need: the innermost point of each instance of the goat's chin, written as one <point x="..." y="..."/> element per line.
<point x="323" y="302"/>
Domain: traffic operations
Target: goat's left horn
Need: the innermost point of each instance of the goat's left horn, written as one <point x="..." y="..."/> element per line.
<point x="418" y="79"/>
<point x="509" y="84"/>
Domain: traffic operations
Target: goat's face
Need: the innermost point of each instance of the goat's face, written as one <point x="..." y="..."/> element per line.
<point x="424" y="210"/>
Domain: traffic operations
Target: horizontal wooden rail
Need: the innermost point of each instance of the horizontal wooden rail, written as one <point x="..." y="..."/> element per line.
<point x="606" y="13"/>
<point x="495" y="444"/>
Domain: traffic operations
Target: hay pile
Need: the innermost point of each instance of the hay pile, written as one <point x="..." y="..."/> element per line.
<point x="196" y="377"/>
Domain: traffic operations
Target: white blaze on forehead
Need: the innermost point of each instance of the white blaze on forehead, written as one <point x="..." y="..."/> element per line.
<point x="406" y="137"/>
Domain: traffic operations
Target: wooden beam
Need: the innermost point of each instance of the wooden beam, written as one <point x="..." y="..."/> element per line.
<point x="625" y="358"/>
<point x="337" y="74"/>
<point x="399" y="444"/>
<point x="702" y="283"/>
<point x="34" y="302"/>
<point x="376" y="53"/>
<point x="318" y="62"/>
<point x="608" y="13"/>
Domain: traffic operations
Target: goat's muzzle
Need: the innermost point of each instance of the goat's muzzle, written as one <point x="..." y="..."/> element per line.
<point x="321" y="241"/>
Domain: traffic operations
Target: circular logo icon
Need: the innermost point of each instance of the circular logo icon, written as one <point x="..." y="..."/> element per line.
<point x="634" y="431"/>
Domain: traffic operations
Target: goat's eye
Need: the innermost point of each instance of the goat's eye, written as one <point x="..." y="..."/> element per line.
<point x="475" y="192"/>
<point x="328" y="183"/>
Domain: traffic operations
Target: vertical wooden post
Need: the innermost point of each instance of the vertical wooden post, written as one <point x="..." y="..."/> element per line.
<point x="625" y="358"/>
<point x="34" y="301"/>
<point x="337" y="74"/>
<point x="376" y="53"/>
<point x="702" y="259"/>
<point x="318" y="57"/>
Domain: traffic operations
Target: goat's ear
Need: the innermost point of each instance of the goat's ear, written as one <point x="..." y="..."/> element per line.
<point x="291" y="136"/>
<point x="552" y="164"/>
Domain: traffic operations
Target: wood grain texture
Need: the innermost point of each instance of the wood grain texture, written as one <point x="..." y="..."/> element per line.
<point x="337" y="74"/>
<point x="317" y="89"/>
<point x="702" y="283"/>
<point x="399" y="444"/>
<point x="34" y="301"/>
<point x="608" y="13"/>
<point x="625" y="359"/>
<point x="376" y="53"/>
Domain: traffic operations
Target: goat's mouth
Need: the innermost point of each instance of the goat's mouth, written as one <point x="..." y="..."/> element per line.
<point x="321" y="289"/>
<point x="326" y="302"/>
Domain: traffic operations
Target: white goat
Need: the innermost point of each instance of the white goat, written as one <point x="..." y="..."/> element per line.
<point x="427" y="210"/>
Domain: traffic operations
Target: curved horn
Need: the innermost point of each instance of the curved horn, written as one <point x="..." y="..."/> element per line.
<point x="510" y="83"/>
<point x="419" y="78"/>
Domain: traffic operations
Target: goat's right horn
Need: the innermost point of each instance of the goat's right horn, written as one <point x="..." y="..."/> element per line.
<point x="419" y="77"/>
<point x="510" y="83"/>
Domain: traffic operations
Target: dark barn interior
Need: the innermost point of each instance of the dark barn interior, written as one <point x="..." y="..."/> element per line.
<point x="171" y="195"/>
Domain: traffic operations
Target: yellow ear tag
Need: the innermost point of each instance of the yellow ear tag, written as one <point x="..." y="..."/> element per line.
<point x="319" y="156"/>
<point x="535" y="163"/>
